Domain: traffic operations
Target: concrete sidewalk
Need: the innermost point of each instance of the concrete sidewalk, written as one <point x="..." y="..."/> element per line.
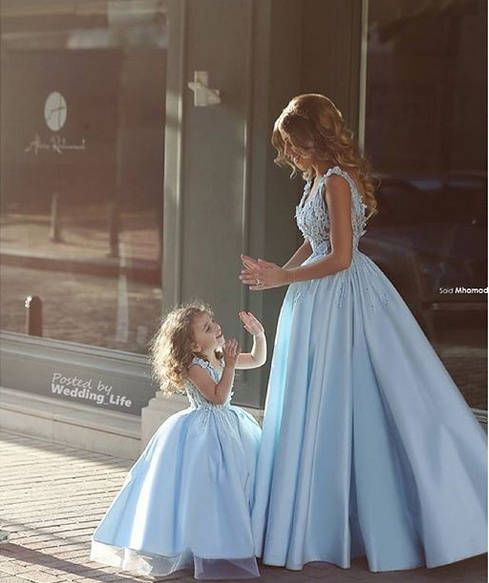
<point x="52" y="497"/>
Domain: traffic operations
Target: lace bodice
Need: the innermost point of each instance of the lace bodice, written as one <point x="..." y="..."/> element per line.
<point x="196" y="398"/>
<point x="312" y="214"/>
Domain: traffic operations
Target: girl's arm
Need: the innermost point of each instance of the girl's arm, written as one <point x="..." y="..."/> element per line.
<point x="258" y="355"/>
<point x="299" y="256"/>
<point x="217" y="393"/>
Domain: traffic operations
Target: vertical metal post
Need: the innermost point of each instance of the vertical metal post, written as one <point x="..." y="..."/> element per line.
<point x="33" y="320"/>
<point x="362" y="105"/>
<point x="113" y="228"/>
<point x="55" y="234"/>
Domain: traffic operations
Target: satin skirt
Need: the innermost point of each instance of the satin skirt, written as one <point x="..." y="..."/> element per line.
<point x="186" y="502"/>
<point x="368" y="447"/>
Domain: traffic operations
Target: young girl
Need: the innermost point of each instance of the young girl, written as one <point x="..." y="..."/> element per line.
<point x="187" y="499"/>
<point x="387" y="458"/>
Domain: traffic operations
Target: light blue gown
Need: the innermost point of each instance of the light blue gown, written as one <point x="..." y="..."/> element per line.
<point x="368" y="447"/>
<point x="186" y="502"/>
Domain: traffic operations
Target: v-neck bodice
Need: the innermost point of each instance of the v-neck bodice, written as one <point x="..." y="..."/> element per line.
<point x="196" y="398"/>
<point x="312" y="214"/>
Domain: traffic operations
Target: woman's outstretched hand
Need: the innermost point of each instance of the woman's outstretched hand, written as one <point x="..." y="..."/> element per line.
<point x="260" y="275"/>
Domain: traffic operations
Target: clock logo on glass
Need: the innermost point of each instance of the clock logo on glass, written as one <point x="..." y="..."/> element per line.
<point x="55" y="111"/>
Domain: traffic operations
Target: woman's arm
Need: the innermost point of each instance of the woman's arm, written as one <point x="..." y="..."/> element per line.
<point x="337" y="194"/>
<point x="302" y="253"/>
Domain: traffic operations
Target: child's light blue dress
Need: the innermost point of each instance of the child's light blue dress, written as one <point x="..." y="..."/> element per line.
<point x="187" y="500"/>
<point x="368" y="447"/>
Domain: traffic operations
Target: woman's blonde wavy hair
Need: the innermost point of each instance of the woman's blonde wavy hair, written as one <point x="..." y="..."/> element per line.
<point x="316" y="127"/>
<point x="171" y="348"/>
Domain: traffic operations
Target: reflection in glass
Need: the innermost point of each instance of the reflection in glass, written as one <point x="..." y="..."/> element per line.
<point x="426" y="136"/>
<point x="82" y="125"/>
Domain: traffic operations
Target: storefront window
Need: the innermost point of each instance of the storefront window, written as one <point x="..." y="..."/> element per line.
<point x="82" y="159"/>
<point x="426" y="120"/>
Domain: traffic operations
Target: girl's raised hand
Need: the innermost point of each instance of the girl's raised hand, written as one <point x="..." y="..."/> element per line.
<point x="231" y="352"/>
<point x="251" y="324"/>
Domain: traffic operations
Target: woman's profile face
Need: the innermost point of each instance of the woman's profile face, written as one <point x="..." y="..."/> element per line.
<point x="295" y="154"/>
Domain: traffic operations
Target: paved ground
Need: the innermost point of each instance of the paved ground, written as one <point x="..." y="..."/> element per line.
<point x="53" y="496"/>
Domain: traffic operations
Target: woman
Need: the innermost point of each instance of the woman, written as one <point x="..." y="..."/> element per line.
<point x="368" y="446"/>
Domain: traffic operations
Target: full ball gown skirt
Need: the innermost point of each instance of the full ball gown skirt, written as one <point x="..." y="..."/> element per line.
<point x="187" y="500"/>
<point x="368" y="447"/>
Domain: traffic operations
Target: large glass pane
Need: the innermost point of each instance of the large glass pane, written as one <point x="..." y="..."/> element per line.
<point x="426" y="123"/>
<point x="82" y="126"/>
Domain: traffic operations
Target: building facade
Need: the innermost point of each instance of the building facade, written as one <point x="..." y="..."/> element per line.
<point x="125" y="192"/>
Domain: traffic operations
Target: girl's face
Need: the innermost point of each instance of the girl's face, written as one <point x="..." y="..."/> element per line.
<point x="295" y="154"/>
<point x="207" y="334"/>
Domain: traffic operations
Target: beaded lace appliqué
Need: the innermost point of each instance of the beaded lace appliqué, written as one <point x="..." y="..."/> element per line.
<point x="312" y="214"/>
<point x="374" y="299"/>
<point x="312" y="218"/>
<point x="223" y="412"/>
<point x="197" y="400"/>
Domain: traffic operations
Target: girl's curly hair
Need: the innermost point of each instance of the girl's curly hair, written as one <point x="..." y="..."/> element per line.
<point x="316" y="127"/>
<point x="171" y="348"/>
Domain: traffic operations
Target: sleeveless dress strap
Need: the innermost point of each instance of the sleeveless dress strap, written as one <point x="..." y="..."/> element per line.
<point x="358" y="206"/>
<point x="353" y="187"/>
<point x="201" y="362"/>
<point x="211" y="369"/>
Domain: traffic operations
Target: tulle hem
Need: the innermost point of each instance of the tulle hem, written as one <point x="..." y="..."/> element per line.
<point x="152" y="565"/>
